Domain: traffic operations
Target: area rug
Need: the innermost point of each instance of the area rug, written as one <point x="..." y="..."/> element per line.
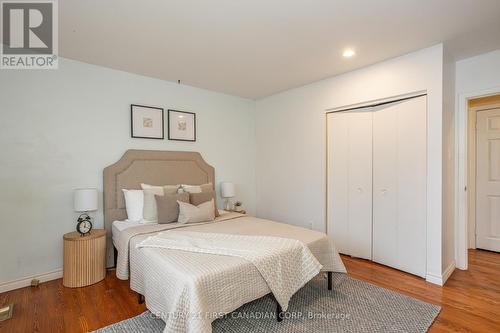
<point x="353" y="306"/>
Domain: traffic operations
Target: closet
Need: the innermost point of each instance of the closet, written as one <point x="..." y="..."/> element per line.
<point x="377" y="162"/>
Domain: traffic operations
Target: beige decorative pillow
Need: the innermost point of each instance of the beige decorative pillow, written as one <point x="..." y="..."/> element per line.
<point x="161" y="190"/>
<point x="150" y="211"/>
<point x="197" y="188"/>
<point x="168" y="207"/>
<point x="199" y="198"/>
<point x="191" y="214"/>
<point x="193" y="189"/>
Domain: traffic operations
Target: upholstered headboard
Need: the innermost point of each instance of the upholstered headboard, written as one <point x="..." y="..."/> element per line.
<point x="151" y="167"/>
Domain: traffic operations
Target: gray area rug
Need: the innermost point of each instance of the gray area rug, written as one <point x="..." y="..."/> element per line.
<point x="353" y="306"/>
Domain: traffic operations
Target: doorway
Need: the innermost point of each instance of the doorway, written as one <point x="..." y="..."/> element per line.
<point x="484" y="173"/>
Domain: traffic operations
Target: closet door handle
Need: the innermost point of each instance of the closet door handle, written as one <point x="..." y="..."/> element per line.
<point x="383" y="192"/>
<point x="360" y="190"/>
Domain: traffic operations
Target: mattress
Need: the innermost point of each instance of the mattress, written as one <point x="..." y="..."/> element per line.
<point x="119" y="226"/>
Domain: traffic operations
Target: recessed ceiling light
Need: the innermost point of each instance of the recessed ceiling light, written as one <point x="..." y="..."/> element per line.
<point x="348" y="53"/>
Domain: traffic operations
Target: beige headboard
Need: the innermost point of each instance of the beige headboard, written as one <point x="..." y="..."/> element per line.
<point x="151" y="167"/>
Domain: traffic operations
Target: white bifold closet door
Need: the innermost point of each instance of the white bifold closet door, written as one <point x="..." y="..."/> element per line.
<point x="399" y="185"/>
<point x="350" y="182"/>
<point x="377" y="183"/>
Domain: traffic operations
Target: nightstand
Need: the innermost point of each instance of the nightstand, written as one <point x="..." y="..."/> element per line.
<point x="84" y="258"/>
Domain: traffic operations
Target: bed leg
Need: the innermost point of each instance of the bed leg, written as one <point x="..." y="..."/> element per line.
<point x="115" y="255"/>
<point x="140" y="298"/>
<point x="279" y="312"/>
<point x="330" y="282"/>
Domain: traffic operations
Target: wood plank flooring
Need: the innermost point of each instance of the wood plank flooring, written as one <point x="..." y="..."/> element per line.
<point x="470" y="299"/>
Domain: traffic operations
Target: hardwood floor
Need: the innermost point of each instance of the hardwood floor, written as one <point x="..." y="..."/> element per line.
<point x="53" y="308"/>
<point x="470" y="300"/>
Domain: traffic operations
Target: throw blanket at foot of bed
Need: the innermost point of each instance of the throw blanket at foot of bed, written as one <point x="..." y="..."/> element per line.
<point x="285" y="264"/>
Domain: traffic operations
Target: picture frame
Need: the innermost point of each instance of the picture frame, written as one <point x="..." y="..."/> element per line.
<point x="147" y="122"/>
<point x="181" y="125"/>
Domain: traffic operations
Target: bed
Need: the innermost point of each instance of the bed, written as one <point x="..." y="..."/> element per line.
<point x="189" y="290"/>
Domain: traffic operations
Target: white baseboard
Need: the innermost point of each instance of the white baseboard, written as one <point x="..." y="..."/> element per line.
<point x="435" y="279"/>
<point x="440" y="280"/>
<point x="448" y="271"/>
<point x="58" y="273"/>
<point x="26" y="281"/>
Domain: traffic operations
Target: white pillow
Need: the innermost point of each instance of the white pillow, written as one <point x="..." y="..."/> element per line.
<point x="190" y="213"/>
<point x="134" y="204"/>
<point x="150" y="211"/>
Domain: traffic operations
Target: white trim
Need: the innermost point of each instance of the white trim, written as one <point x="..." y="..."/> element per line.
<point x="471" y="178"/>
<point x="26" y="281"/>
<point x="376" y="101"/>
<point x="441" y="280"/>
<point x="461" y="211"/>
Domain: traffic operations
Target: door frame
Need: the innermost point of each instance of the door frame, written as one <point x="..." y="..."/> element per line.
<point x="471" y="173"/>
<point x="462" y="181"/>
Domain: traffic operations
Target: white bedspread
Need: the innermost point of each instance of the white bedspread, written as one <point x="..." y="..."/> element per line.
<point x="175" y="279"/>
<point x="285" y="264"/>
<point x="122" y="240"/>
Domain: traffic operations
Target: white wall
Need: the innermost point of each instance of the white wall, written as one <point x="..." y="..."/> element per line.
<point x="291" y="140"/>
<point x="59" y="129"/>
<point x="448" y="162"/>
<point x="478" y="73"/>
<point x="475" y="77"/>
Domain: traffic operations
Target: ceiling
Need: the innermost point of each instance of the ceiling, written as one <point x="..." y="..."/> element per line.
<point x="255" y="48"/>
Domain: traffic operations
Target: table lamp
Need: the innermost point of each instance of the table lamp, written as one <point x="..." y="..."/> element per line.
<point x="85" y="200"/>
<point x="227" y="191"/>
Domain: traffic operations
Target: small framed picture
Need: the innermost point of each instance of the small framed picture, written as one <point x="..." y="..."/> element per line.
<point x="147" y="122"/>
<point x="181" y="125"/>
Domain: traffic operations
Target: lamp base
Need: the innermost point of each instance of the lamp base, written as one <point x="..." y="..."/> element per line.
<point x="228" y="205"/>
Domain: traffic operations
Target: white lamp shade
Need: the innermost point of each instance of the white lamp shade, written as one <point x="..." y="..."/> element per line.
<point x="227" y="190"/>
<point x="86" y="200"/>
